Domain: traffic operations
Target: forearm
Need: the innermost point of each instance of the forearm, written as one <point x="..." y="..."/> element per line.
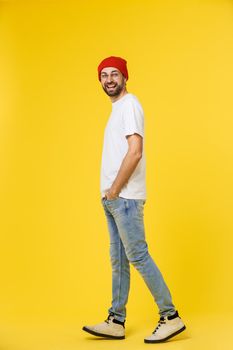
<point x="127" y="168"/>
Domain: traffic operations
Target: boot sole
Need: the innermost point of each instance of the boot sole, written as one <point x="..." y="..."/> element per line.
<point x="164" y="339"/>
<point x="102" y="335"/>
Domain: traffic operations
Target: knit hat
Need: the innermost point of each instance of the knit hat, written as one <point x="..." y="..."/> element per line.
<point x="116" y="62"/>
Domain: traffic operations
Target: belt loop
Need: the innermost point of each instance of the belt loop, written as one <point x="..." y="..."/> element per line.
<point x="126" y="203"/>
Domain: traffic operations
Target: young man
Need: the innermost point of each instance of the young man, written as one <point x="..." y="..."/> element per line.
<point x="123" y="193"/>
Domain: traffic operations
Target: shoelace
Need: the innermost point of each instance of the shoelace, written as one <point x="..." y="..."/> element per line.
<point x="161" y="321"/>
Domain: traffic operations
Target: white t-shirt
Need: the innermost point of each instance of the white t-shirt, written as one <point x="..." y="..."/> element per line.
<point x="127" y="118"/>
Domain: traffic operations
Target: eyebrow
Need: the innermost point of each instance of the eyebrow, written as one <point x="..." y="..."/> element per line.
<point x="113" y="71"/>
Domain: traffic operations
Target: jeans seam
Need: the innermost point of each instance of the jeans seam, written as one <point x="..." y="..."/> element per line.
<point x="120" y="273"/>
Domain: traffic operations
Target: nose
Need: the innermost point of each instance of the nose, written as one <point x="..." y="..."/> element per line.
<point x="109" y="78"/>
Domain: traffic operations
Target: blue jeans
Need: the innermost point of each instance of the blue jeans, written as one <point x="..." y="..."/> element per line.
<point x="128" y="245"/>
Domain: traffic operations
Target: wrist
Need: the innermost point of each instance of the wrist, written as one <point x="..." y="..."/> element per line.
<point x="114" y="192"/>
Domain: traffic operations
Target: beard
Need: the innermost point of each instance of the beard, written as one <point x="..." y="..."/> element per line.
<point x="115" y="91"/>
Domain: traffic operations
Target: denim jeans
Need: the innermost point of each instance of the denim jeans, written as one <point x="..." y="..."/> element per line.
<point x="128" y="245"/>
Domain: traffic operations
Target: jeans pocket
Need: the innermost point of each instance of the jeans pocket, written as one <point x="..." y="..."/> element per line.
<point x="139" y="204"/>
<point x="112" y="200"/>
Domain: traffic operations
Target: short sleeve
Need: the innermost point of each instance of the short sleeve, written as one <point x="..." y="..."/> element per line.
<point x="133" y="118"/>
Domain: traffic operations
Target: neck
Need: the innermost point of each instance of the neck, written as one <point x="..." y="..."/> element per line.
<point x="115" y="98"/>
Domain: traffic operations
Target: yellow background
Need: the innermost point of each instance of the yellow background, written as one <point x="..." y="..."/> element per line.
<point x="55" y="268"/>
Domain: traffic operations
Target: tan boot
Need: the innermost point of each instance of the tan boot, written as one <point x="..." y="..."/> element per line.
<point x="108" y="329"/>
<point x="167" y="327"/>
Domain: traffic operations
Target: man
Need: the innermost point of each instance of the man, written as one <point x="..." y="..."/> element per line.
<point x="123" y="195"/>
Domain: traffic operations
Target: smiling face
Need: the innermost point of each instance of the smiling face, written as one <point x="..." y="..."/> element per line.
<point x="113" y="81"/>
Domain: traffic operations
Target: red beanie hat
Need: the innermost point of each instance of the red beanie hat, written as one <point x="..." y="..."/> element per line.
<point x="116" y="62"/>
